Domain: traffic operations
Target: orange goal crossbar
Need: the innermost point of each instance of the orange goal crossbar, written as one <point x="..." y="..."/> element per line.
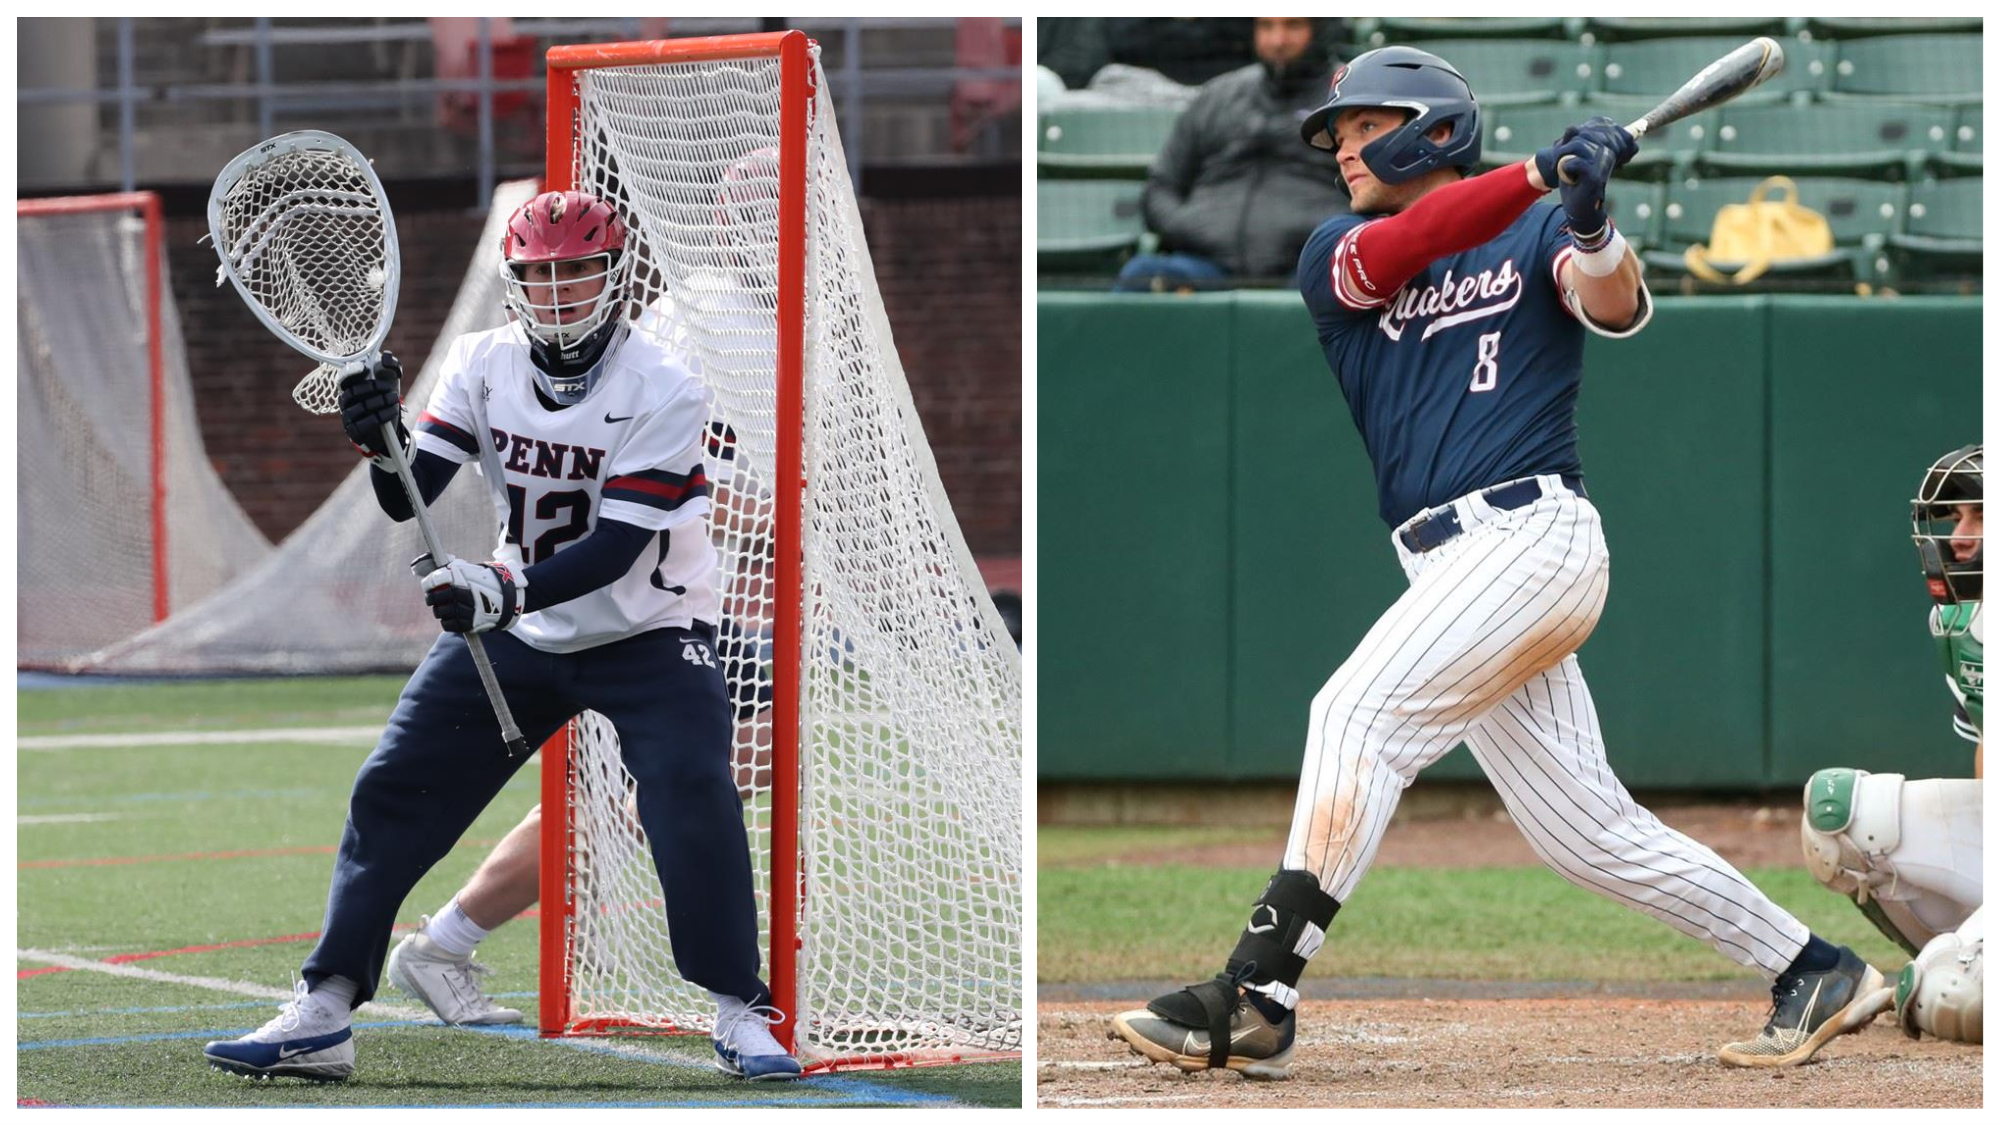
<point x="796" y="92"/>
<point x="148" y="205"/>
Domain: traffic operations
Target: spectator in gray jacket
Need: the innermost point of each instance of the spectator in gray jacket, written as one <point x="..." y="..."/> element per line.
<point x="1233" y="195"/>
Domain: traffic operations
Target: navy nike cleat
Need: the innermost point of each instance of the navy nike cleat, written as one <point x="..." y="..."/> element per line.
<point x="304" y="1041"/>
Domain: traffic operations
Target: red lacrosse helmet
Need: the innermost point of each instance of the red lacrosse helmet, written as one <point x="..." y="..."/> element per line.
<point x="565" y="226"/>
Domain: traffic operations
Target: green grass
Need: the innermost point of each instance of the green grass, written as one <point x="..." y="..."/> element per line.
<point x="174" y="808"/>
<point x="1113" y="922"/>
<point x="210" y="705"/>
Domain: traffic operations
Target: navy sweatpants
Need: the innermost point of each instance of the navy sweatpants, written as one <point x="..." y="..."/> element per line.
<point x="441" y="762"/>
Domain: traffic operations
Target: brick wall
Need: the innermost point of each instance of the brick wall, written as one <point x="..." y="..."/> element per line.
<point x="950" y="276"/>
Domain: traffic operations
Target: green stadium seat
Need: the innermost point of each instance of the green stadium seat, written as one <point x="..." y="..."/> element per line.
<point x="1941" y="239"/>
<point x="1860" y="213"/>
<point x="1102" y="140"/>
<point x="1850" y="138"/>
<point x="1944" y="69"/>
<point x="1620" y="30"/>
<point x="1518" y="71"/>
<point x="1637" y="207"/>
<point x="1082" y="224"/>
<point x="1514" y="133"/>
<point x="1392" y="29"/>
<point x="1840" y="27"/>
<point x="1968" y="135"/>
<point x="1654" y="68"/>
<point x="1664" y="150"/>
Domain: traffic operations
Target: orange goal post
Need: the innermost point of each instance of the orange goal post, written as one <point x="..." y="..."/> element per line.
<point x="877" y="693"/>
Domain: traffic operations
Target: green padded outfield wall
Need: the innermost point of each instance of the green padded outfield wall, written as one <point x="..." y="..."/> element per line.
<point x="1209" y="550"/>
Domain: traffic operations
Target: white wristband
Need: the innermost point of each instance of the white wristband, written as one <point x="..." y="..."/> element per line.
<point x="1602" y="261"/>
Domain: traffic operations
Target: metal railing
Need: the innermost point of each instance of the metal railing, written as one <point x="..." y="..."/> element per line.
<point x="855" y="83"/>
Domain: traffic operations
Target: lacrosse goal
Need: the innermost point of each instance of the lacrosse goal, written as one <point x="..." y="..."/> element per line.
<point x="877" y="693"/>
<point x="122" y="519"/>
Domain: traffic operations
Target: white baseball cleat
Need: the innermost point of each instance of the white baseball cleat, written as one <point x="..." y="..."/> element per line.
<point x="306" y="1040"/>
<point x="447" y="985"/>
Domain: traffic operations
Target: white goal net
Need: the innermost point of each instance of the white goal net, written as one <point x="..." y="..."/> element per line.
<point x="908" y="926"/>
<point x="336" y="595"/>
<point x="95" y="451"/>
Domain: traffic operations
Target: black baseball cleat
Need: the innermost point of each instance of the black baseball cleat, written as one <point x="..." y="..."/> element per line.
<point x="1810" y="1008"/>
<point x="1210" y="1026"/>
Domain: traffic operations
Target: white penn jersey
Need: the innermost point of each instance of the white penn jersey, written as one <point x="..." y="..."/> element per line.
<point x="632" y="451"/>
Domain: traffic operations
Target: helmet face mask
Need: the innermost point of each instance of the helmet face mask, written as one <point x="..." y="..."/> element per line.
<point x="569" y="314"/>
<point x="1947" y="513"/>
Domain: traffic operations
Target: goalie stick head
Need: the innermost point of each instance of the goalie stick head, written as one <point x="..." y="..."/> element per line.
<point x="566" y="269"/>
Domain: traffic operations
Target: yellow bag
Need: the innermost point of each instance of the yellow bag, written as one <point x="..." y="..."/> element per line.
<point x="1760" y="232"/>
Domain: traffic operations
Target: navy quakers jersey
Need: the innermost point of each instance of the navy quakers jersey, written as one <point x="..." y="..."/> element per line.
<point x="1465" y="377"/>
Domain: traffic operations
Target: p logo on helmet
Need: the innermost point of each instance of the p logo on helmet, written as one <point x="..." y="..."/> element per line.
<point x="1403" y="78"/>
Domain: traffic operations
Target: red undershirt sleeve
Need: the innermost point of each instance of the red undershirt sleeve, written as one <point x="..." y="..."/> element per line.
<point x="1377" y="258"/>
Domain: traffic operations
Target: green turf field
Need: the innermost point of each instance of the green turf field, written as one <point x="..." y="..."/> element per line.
<point x="168" y="892"/>
<point x="1114" y="921"/>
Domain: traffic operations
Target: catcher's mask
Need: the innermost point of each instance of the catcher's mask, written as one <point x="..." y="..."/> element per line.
<point x="1948" y="515"/>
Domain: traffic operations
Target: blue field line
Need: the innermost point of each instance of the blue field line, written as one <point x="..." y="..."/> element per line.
<point x="803" y="1101"/>
<point x="530" y="995"/>
<point x="846" y="1090"/>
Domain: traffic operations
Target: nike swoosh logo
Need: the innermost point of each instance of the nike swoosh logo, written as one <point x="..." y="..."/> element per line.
<point x="284" y="1054"/>
<point x="615" y="421"/>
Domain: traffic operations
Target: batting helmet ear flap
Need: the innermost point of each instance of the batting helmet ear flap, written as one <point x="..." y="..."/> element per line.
<point x="1409" y="79"/>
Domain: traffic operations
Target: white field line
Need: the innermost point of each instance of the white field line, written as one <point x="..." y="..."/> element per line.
<point x="1150" y="1099"/>
<point x="317" y="735"/>
<point x="67" y="818"/>
<point x="373" y="1008"/>
<point x="1132" y="1064"/>
<point x="215" y="984"/>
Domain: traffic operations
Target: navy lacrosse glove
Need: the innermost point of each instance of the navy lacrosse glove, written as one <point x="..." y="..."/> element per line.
<point x="370" y="398"/>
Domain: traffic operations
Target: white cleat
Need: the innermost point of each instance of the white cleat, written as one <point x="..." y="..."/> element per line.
<point x="446" y="984"/>
<point x="744" y="1046"/>
<point x="304" y="1041"/>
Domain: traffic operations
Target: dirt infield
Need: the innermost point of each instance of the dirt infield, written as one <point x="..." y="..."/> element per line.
<point x="1597" y="1052"/>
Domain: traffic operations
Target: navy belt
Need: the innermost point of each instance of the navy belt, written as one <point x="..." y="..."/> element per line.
<point x="1440" y="525"/>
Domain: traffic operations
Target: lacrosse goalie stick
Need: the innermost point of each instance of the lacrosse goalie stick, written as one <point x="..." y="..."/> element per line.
<point x="305" y="234"/>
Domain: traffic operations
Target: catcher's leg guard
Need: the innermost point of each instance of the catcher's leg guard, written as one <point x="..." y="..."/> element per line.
<point x="1943" y="991"/>
<point x="1852" y="823"/>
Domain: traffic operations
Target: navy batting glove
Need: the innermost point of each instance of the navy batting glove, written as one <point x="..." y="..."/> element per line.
<point x="1623" y="145"/>
<point x="1583" y="201"/>
<point x="371" y="398"/>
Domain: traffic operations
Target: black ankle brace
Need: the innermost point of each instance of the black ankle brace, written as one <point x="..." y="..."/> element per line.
<point x="1286" y="927"/>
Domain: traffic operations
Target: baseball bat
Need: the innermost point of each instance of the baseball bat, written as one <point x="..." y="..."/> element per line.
<point x="1745" y="68"/>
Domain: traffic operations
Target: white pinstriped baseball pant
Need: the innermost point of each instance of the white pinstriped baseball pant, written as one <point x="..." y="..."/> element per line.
<point x="1481" y="649"/>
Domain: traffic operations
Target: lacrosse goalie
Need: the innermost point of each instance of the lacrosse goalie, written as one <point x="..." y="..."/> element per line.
<point x="590" y="438"/>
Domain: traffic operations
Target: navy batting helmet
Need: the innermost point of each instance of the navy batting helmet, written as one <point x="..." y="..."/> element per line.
<point x="1403" y="78"/>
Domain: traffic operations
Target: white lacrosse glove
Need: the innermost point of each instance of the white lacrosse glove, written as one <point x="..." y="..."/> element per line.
<point x="469" y="597"/>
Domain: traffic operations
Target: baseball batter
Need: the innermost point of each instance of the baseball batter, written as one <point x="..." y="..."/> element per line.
<point x="1452" y="310"/>
<point x="1909" y="852"/>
